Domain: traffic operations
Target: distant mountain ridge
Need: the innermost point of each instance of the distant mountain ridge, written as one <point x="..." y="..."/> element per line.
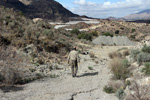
<point x="46" y="9"/>
<point x="144" y="11"/>
<point x="142" y="15"/>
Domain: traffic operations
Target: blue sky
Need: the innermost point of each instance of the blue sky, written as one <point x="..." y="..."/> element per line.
<point x="105" y="8"/>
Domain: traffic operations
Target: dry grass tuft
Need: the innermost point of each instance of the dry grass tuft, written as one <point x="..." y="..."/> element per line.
<point x="119" y="70"/>
<point x="115" y="55"/>
<point x="126" y="53"/>
<point x="92" y="55"/>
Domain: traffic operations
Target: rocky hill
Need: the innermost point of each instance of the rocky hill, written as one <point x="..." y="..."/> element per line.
<point x="46" y="9"/>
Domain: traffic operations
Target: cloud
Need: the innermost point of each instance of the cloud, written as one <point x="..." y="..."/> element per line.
<point x="106" y="9"/>
<point x="83" y="2"/>
<point x="80" y="2"/>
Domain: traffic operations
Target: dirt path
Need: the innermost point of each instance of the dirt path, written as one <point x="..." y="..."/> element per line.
<point x="87" y="86"/>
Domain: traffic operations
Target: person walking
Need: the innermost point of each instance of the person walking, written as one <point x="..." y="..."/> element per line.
<point x="73" y="60"/>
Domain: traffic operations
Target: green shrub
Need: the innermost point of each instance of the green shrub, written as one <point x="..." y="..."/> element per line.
<point x="1" y="77"/>
<point x="132" y="36"/>
<point x="125" y="63"/>
<point x="48" y="33"/>
<point x="127" y="83"/>
<point x="107" y="34"/>
<point x="86" y="36"/>
<point x="108" y="89"/>
<point x="37" y="35"/>
<point x="143" y="57"/>
<point x="94" y="33"/>
<point x="133" y="30"/>
<point x="146" y="49"/>
<point x="24" y="81"/>
<point x="90" y="68"/>
<point x="120" y="93"/>
<point x="117" y="32"/>
<point x="75" y="31"/>
<point x="146" y="69"/>
<point x="134" y="53"/>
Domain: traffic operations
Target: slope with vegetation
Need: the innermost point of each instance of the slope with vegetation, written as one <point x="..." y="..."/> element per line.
<point x="37" y="43"/>
<point x="135" y="31"/>
<point x="131" y="70"/>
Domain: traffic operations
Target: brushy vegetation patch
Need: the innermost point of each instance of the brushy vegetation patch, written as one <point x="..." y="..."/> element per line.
<point x="22" y="32"/>
<point x="120" y="93"/>
<point x="126" y="53"/>
<point x="1" y="78"/>
<point x="86" y="36"/>
<point x="146" y="68"/>
<point x="108" y="89"/>
<point x="119" y="67"/>
<point x="134" y="53"/>
<point x="146" y="49"/>
<point x="75" y="31"/>
<point x="115" y="54"/>
<point x="143" y="57"/>
<point x="117" y="32"/>
<point x="94" y="33"/>
<point x="133" y="30"/>
<point x="13" y="68"/>
<point x="107" y="34"/>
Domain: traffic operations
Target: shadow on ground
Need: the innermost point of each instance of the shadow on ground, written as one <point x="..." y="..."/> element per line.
<point x="88" y="74"/>
<point x="11" y="88"/>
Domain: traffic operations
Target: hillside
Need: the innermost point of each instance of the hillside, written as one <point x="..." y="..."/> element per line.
<point x="46" y="9"/>
<point x="19" y="32"/>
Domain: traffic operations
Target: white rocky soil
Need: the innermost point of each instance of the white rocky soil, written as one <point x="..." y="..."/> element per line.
<point x="88" y="85"/>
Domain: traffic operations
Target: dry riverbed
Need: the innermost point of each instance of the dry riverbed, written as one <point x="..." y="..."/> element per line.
<point x="92" y="76"/>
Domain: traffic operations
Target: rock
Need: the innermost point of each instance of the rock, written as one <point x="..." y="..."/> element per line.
<point x="129" y="79"/>
<point x="131" y="60"/>
<point x="135" y="64"/>
<point x="137" y="74"/>
<point x="37" y="19"/>
<point x="147" y="81"/>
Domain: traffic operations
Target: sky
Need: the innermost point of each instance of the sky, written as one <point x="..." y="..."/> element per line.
<point x="105" y="8"/>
